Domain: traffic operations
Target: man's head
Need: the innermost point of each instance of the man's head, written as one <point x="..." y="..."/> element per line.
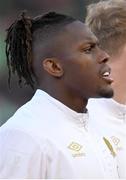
<point x="62" y="53"/>
<point x="107" y="19"/>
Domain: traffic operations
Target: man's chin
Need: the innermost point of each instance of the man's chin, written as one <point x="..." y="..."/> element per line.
<point x="106" y="94"/>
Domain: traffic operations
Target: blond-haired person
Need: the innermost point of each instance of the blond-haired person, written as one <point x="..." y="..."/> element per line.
<point x="107" y="19"/>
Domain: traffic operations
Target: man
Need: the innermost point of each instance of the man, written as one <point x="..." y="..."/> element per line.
<point x="48" y="137"/>
<point x="107" y="19"/>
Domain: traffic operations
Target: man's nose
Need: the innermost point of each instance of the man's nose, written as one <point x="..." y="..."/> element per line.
<point x="104" y="57"/>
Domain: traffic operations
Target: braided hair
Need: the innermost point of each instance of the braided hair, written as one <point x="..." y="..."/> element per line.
<point x="19" y="42"/>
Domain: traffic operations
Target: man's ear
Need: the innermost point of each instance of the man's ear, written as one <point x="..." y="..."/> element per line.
<point x="53" y="67"/>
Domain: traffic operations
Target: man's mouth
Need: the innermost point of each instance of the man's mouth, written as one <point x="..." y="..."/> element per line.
<point x="106" y="76"/>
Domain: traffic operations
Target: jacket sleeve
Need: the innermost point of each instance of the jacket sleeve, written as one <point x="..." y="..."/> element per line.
<point x="21" y="156"/>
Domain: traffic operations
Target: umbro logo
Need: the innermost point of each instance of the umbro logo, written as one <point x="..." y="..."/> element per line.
<point x="76" y="149"/>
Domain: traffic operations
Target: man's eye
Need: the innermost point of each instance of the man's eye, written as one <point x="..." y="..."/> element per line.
<point x="89" y="49"/>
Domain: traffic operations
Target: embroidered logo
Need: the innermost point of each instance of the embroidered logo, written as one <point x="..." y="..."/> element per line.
<point x="116" y="142"/>
<point x="76" y="149"/>
<point x="109" y="146"/>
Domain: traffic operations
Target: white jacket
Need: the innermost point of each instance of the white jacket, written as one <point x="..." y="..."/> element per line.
<point x="109" y="117"/>
<point x="46" y="139"/>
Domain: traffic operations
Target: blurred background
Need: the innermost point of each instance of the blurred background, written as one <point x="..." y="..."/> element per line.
<point x="12" y="99"/>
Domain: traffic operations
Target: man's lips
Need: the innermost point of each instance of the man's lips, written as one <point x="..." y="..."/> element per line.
<point x="105" y="74"/>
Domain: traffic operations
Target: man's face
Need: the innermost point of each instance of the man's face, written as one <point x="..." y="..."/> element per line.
<point x="86" y="73"/>
<point x="118" y="64"/>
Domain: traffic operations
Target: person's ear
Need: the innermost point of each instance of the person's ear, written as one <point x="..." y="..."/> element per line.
<point x="53" y="67"/>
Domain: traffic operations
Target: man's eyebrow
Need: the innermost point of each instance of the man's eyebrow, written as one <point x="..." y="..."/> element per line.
<point x="89" y="42"/>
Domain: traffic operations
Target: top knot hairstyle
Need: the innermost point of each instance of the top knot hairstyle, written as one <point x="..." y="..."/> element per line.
<point x="19" y="42"/>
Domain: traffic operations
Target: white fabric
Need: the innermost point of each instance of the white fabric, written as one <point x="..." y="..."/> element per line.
<point x="46" y="139"/>
<point x="110" y="118"/>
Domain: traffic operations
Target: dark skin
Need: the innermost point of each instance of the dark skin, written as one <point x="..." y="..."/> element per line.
<point x="70" y="67"/>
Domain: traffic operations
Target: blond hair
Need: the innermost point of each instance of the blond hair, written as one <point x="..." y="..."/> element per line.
<point x="107" y="19"/>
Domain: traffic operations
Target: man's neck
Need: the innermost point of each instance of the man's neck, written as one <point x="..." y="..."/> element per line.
<point x="120" y="93"/>
<point x="75" y="103"/>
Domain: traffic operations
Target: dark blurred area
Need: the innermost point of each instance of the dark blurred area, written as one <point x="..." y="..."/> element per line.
<point x="12" y="99"/>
